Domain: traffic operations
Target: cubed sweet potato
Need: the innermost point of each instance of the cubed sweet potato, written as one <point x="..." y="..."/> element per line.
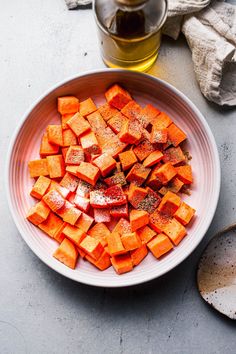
<point x="54" y="200"/>
<point x="92" y="247"/>
<point x="115" y="196"/>
<point x="174" y="186"/>
<point x="40" y="187"/>
<point x="70" y="182"/>
<point x="122" y="263"/>
<point x="55" y="134"/>
<point x="158" y="136"/>
<point x="46" y="148"/>
<point x="131" y="132"/>
<point x="175" y="135"/>
<point x="69" y="138"/>
<point x="136" y="195"/>
<point x="146" y="234"/>
<point x="117" y="97"/>
<point x="165" y="173"/>
<point x="116" y="122"/>
<point x="117" y="178"/>
<point x="90" y="144"/>
<point x="101" y="215"/>
<point x="175" y="231"/>
<point x="67" y="104"/>
<point x="102" y="263"/>
<point x="67" y="253"/>
<point x="150" y="113"/>
<point x="105" y="163"/>
<point x="38" y="213"/>
<point x="38" y="168"/>
<point x="107" y="111"/>
<point x="82" y="203"/>
<point x="184" y="173"/>
<point x="158" y="221"/>
<point x="162" y="121"/>
<point x="96" y="121"/>
<point x="138" y="174"/>
<point x="88" y="172"/>
<point x="174" y="155"/>
<point x="160" y="245"/>
<point x="120" y="211"/>
<point x="138" y="254"/>
<point x="169" y="203"/>
<point x="184" y="214"/>
<point x="56" y="166"/>
<point x="78" y="124"/>
<point x="98" y="199"/>
<point x="84" y="222"/>
<point x="152" y="159"/>
<point x="87" y="107"/>
<point x="138" y="218"/>
<point x="51" y="225"/>
<point x="100" y="232"/>
<point x="74" y="234"/>
<point x="143" y="149"/>
<point x="127" y="159"/>
<point x="131" y="241"/>
<point x="74" y="155"/>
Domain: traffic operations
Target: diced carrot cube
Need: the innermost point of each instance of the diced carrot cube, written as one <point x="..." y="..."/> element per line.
<point x="143" y="149"/>
<point x="105" y="135"/>
<point x="174" y="155"/>
<point x="96" y="121"/>
<point x="131" y="110"/>
<point x="160" y="245"/>
<point x="131" y="241"/>
<point x="69" y="213"/>
<point x="120" y="211"/>
<point x="117" y="97"/>
<point x="175" y="231"/>
<point x="146" y="234"/>
<point x="40" y="187"/>
<point x="107" y="111"/>
<point x="88" y="172"/>
<point x="78" y="124"/>
<point x="67" y="253"/>
<point x="74" y="234"/>
<point x="67" y="104"/>
<point x="72" y="169"/>
<point x="82" y="203"/>
<point x="169" y="203"/>
<point x="117" y="178"/>
<point x="56" y="166"/>
<point x="102" y="263"/>
<point x="98" y="199"/>
<point x="184" y="173"/>
<point x="174" y="186"/>
<point x="46" y="148"/>
<point x="51" y="225"/>
<point x="70" y="182"/>
<point x="69" y="138"/>
<point x="84" y="188"/>
<point x="184" y="214"/>
<point x="136" y="195"/>
<point x="162" y="121"/>
<point x="149" y="113"/>
<point x="153" y="180"/>
<point x="54" y="200"/>
<point x="122" y="264"/>
<point x="116" y="122"/>
<point x="114" y="147"/>
<point x="138" y="218"/>
<point x="100" y="232"/>
<point x="122" y="227"/>
<point x="153" y="158"/>
<point x="150" y="202"/>
<point x="55" y="134"/>
<point x="127" y="159"/>
<point x="105" y="163"/>
<point x="84" y="222"/>
<point x="115" y="245"/>
<point x="131" y="131"/>
<point x="166" y="172"/>
<point x="175" y="135"/>
<point x="101" y="215"/>
<point x="138" y="254"/>
<point x="64" y="152"/>
<point x="138" y="174"/>
<point x="92" y="247"/>
<point x="82" y="253"/>
<point x="62" y="190"/>
<point x="86" y="107"/>
<point x="158" y="136"/>
<point x="58" y="235"/>
<point x="158" y="221"/>
<point x="115" y="196"/>
<point x="38" y="213"/>
<point x="64" y="120"/>
<point x="90" y="144"/>
<point x="38" y="168"/>
<point x="74" y="155"/>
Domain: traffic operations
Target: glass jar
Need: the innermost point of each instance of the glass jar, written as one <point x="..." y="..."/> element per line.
<point x="130" y="31"/>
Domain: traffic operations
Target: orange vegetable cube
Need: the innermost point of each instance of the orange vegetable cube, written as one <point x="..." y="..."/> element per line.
<point x="153" y="158"/>
<point x="101" y="215"/>
<point x="102" y="263"/>
<point x="120" y="211"/>
<point x="40" y="187"/>
<point x="146" y="234"/>
<point x="82" y="203"/>
<point x="184" y="214"/>
<point x="51" y="225"/>
<point x="62" y="190"/>
<point x="173" y="186"/>
<point x="122" y="227"/>
<point x="117" y="178"/>
<point x="160" y="245"/>
<point x="175" y="231"/>
<point x="69" y="138"/>
<point x="72" y="169"/>
<point x="114" y="147"/>
<point x="149" y="113"/>
<point x="88" y="173"/>
<point x="136" y="195"/>
<point x="70" y="182"/>
<point x="56" y="166"/>
<point x="138" y="218"/>
<point x="84" y="189"/>
<point x="55" y="134"/>
<point x="100" y="232"/>
<point x="169" y="203"/>
<point x="117" y="97"/>
<point x="46" y="148"/>
<point x="138" y="254"/>
<point x="107" y="111"/>
<point x="131" y="241"/>
<point x="86" y="107"/>
<point x="84" y="222"/>
<point x="54" y="200"/>
<point x="174" y="155"/>
<point x="67" y="253"/>
<point x="131" y="110"/>
<point x="143" y="149"/>
<point x="90" y="144"/>
<point x="162" y="121"/>
<point x="67" y="104"/>
<point x="158" y="136"/>
<point x="74" y="234"/>
<point x="78" y="124"/>
<point x="58" y="235"/>
<point x="115" y="245"/>
<point x="116" y="122"/>
<point x="131" y="132"/>
<point x="122" y="263"/>
<point x="64" y="152"/>
<point x="184" y="173"/>
<point x="64" y="120"/>
<point x="69" y="213"/>
<point x="175" y="135"/>
<point x="150" y="202"/>
<point x="153" y="180"/>
<point x="105" y="163"/>
<point x="138" y="174"/>
<point x="96" y="121"/>
<point x="165" y="173"/>
<point x="38" y="213"/>
<point x="127" y="159"/>
<point x="92" y="247"/>
<point x="38" y="168"/>
<point x="74" y="155"/>
<point x="105" y="135"/>
<point x="158" y="221"/>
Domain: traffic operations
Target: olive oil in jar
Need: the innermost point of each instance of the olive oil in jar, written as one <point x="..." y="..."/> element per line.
<point x="130" y="31"/>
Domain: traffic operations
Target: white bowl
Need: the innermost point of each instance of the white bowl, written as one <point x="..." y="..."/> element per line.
<point x="201" y="145"/>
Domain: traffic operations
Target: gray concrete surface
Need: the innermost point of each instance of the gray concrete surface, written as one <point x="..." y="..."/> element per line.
<point x="42" y="312"/>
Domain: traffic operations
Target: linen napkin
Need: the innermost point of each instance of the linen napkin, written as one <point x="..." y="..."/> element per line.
<point x="210" y="30"/>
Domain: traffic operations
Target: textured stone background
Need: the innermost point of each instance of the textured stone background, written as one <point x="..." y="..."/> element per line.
<point x="42" y="43"/>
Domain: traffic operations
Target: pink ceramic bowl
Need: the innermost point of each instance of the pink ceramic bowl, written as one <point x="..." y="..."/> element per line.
<point x="201" y="145"/>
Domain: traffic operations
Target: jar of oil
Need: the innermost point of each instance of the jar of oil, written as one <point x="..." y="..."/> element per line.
<point x="130" y="31"/>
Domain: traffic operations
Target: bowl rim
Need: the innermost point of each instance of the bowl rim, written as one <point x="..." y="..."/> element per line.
<point x="217" y="176"/>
